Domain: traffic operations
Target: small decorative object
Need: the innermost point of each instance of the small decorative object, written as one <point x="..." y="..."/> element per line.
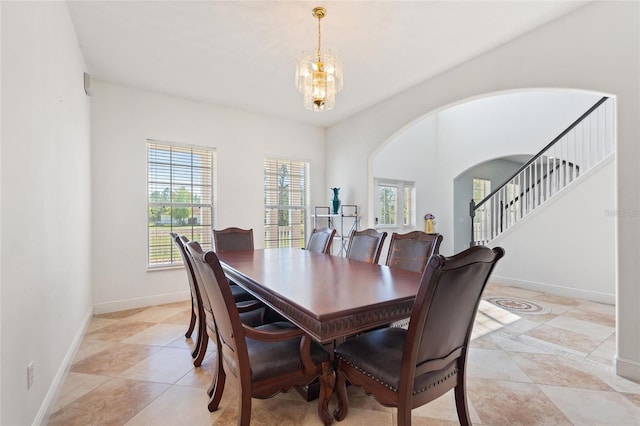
<point x="335" y="201"/>
<point x="430" y="224"/>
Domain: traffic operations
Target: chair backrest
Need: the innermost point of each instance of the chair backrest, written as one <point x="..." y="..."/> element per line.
<point x="412" y="250"/>
<point x="223" y="307"/>
<point x="320" y="240"/>
<point x="180" y="241"/>
<point x="366" y="245"/>
<point x="445" y="308"/>
<point x="232" y="239"/>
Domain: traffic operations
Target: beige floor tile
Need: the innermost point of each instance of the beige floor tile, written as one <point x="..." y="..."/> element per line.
<point x="558" y="300"/>
<point x="494" y="364"/>
<point x="182" y="318"/>
<point x="202" y="376"/>
<point x="157" y="335"/>
<point x="119" y="331"/>
<point x="582" y="406"/>
<point x="157" y="314"/>
<point x="633" y="397"/>
<point x="268" y="412"/>
<point x="179" y="405"/>
<point x="618" y="383"/>
<point x="184" y="342"/>
<point x="484" y="342"/>
<point x="359" y="399"/>
<point x="595" y="331"/>
<point x="167" y="365"/>
<point x="97" y="323"/>
<point x="605" y="352"/>
<point x="114" y="402"/>
<point x="114" y="360"/>
<point x="594" y="312"/>
<point x="444" y="408"/>
<point x="511" y="343"/>
<point x="506" y="403"/>
<point x="75" y="386"/>
<point x="360" y="417"/>
<point x="569" y="341"/>
<point x="91" y="347"/>
<point x="554" y="370"/>
<point x="119" y="315"/>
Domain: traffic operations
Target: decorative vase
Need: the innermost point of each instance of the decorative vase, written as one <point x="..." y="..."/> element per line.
<point x="335" y="201"/>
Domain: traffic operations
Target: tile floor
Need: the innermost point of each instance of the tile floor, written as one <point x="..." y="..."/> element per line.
<point x="536" y="359"/>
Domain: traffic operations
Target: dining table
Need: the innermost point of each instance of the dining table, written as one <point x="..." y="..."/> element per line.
<point x="329" y="297"/>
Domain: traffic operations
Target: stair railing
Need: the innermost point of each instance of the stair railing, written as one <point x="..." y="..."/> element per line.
<point x="577" y="149"/>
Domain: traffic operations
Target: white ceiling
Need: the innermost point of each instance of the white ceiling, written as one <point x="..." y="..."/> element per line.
<point x="241" y="53"/>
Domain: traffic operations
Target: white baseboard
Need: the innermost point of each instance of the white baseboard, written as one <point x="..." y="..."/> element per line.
<point x="627" y="369"/>
<point x="140" y="302"/>
<point x="556" y="289"/>
<point x="42" y="416"/>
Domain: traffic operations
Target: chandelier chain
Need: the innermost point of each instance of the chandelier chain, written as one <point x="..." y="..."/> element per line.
<point x="319" y="38"/>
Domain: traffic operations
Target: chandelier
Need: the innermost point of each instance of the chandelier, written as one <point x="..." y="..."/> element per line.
<point x="319" y="74"/>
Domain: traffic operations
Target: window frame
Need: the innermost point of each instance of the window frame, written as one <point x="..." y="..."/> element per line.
<point x="206" y="188"/>
<point x="274" y="163"/>
<point x="405" y="216"/>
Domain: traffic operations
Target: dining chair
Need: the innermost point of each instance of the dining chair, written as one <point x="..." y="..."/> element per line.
<point x="266" y="359"/>
<point x="412" y="250"/>
<point x="366" y="245"/>
<point x="255" y="312"/>
<point x="197" y="313"/>
<point x="409" y="368"/>
<point x="234" y="239"/>
<point x="320" y="240"/>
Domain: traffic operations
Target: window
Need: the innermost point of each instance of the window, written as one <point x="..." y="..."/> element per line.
<point x="179" y="199"/>
<point x="481" y="220"/>
<point x="396" y="206"/>
<point x="286" y="184"/>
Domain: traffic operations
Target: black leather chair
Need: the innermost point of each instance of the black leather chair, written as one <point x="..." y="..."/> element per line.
<point x="409" y="368"/>
<point x="366" y="245"/>
<point x="266" y="359"/>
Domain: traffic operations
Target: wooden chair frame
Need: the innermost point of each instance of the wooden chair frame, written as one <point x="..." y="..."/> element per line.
<point x="399" y="257"/>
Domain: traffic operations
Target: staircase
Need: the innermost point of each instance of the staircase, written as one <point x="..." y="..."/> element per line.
<point x="576" y="150"/>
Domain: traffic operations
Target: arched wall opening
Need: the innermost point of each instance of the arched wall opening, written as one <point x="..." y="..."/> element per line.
<point x="441" y="145"/>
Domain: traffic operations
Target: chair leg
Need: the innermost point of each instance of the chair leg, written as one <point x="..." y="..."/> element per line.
<point x="192" y="323"/>
<point x="327" y="383"/>
<point x="217" y="385"/>
<point x="404" y="413"/>
<point x="202" y="343"/>
<point x="196" y="347"/>
<point x="342" y="408"/>
<point x="461" y="403"/>
<point x="245" y="407"/>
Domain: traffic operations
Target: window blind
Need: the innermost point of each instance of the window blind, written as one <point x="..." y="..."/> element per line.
<point x="180" y="191"/>
<point x="286" y="184"/>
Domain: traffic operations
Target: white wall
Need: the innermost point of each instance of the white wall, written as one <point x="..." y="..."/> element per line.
<point x="595" y="48"/>
<point x="411" y="157"/>
<point x="122" y="119"/>
<point x="45" y="212"/>
<point x="566" y="247"/>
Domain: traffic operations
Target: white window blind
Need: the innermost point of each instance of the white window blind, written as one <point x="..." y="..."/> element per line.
<point x="180" y="187"/>
<point x="286" y="184"/>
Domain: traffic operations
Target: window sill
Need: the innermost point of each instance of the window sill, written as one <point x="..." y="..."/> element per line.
<point x="164" y="268"/>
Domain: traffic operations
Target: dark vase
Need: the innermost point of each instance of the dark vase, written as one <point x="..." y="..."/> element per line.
<point x="336" y="201"/>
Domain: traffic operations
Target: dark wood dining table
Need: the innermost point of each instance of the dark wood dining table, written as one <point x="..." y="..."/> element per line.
<point x="329" y="297"/>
